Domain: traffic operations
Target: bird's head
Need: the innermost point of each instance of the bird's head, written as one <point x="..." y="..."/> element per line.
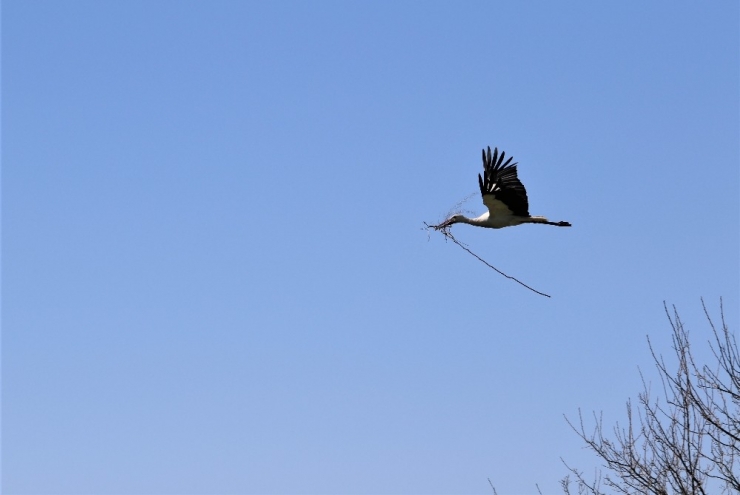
<point x="452" y="220"/>
<point x="455" y="219"/>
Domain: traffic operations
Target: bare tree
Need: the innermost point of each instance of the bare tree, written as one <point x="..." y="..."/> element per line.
<point x="683" y="440"/>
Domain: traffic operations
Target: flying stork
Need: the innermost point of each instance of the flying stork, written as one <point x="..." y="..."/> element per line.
<point x="503" y="194"/>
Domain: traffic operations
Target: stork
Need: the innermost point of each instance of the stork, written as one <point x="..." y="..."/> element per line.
<point x="503" y="194"/>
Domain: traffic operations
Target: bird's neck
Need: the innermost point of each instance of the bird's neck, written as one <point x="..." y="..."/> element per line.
<point x="463" y="219"/>
<point x="481" y="220"/>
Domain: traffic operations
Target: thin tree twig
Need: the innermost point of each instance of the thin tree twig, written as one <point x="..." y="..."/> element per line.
<point x="446" y="232"/>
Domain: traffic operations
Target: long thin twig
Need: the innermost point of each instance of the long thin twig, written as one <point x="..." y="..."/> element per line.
<point x="492" y="487"/>
<point x="446" y="232"/>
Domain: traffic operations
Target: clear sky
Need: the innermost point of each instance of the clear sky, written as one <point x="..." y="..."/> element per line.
<point x="214" y="275"/>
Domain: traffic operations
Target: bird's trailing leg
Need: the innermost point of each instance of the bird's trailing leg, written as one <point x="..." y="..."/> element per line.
<point x="545" y="221"/>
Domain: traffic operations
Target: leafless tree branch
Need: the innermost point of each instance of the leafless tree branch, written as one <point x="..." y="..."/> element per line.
<point x="687" y="441"/>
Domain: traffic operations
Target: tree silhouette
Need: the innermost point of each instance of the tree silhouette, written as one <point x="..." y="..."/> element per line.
<point x="683" y="440"/>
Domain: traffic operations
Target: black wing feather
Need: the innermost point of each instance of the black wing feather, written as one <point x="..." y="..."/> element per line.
<point x="500" y="180"/>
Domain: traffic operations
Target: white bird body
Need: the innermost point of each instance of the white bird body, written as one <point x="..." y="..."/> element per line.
<point x="503" y="194"/>
<point x="499" y="221"/>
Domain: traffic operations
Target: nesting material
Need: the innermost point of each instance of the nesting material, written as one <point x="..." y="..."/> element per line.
<point x="444" y="228"/>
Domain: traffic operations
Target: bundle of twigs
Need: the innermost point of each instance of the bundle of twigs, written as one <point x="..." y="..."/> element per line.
<point x="444" y="228"/>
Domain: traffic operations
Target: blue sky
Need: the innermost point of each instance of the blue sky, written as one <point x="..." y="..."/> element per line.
<point x="214" y="274"/>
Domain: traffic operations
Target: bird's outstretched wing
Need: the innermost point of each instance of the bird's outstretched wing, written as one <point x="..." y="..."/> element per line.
<point x="500" y="186"/>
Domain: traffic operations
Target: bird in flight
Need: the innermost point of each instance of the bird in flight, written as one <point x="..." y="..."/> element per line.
<point x="503" y="194"/>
